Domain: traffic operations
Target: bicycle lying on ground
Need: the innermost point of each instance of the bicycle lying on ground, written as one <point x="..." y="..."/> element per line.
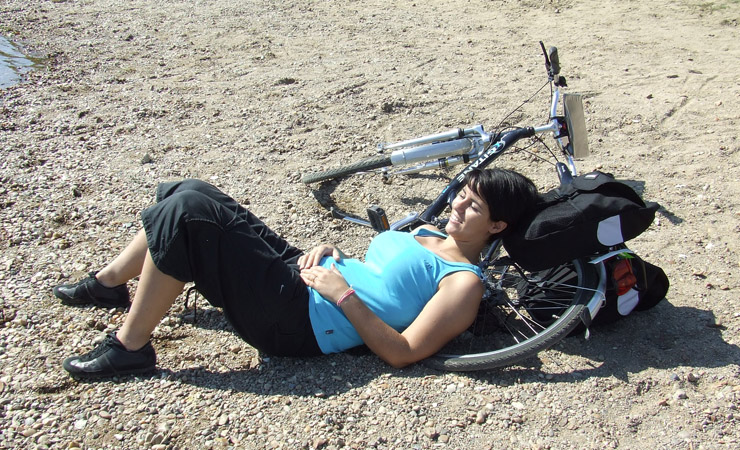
<point x="522" y="312"/>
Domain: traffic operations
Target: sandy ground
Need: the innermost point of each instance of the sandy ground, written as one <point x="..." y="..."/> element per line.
<point x="249" y="95"/>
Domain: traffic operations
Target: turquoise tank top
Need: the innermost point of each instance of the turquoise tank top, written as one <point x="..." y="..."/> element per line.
<point x="396" y="280"/>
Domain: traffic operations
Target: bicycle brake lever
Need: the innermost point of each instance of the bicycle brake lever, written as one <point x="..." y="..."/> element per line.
<point x="554" y="61"/>
<point x="548" y="66"/>
<point x="552" y="64"/>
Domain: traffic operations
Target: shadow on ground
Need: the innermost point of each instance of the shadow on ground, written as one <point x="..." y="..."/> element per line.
<point x="665" y="337"/>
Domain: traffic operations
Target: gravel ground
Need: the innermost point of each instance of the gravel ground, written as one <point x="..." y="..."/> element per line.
<point x="249" y="95"/>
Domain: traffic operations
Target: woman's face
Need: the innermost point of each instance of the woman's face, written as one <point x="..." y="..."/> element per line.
<point x="470" y="218"/>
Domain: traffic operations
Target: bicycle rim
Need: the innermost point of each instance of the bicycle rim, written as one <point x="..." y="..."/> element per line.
<point x="521" y="314"/>
<point x="360" y="166"/>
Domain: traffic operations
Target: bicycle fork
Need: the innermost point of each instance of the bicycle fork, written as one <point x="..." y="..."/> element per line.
<point x="599" y="295"/>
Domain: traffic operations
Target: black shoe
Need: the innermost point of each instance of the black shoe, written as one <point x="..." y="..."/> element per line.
<point x="111" y="358"/>
<point x="90" y="290"/>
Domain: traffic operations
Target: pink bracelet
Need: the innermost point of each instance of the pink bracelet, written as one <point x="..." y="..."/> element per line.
<point x="344" y="296"/>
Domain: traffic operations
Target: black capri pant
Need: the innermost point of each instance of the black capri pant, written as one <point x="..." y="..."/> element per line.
<point x="196" y="233"/>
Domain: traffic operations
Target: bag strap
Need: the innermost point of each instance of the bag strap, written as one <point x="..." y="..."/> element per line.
<point x="582" y="183"/>
<point x="592" y="180"/>
<point x="596" y="181"/>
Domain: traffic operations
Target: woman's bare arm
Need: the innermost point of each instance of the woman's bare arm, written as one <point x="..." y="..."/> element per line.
<point x="446" y="315"/>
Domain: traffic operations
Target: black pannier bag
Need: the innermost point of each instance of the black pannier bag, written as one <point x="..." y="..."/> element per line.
<point x="632" y="284"/>
<point x="591" y="214"/>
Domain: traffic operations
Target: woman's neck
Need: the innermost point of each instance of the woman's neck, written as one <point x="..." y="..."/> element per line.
<point x="469" y="250"/>
<point x="452" y="250"/>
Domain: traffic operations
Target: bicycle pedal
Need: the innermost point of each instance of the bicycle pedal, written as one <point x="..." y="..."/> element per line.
<point x="378" y="219"/>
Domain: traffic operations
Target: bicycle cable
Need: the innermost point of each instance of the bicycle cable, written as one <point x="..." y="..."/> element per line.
<point x="549" y="150"/>
<point x="524" y="103"/>
<point x="538" y="140"/>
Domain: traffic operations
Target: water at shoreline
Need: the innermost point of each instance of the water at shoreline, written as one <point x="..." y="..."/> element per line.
<point x="13" y="64"/>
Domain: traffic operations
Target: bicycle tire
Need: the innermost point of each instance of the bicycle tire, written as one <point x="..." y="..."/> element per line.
<point x="550" y="301"/>
<point x="376" y="162"/>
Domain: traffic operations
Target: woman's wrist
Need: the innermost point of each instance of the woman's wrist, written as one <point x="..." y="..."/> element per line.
<point x="347" y="294"/>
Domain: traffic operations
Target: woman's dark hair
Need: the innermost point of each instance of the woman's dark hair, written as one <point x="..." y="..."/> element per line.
<point x="508" y="194"/>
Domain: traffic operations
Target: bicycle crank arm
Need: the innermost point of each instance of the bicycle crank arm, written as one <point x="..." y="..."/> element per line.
<point x="378" y="220"/>
<point x="339" y="214"/>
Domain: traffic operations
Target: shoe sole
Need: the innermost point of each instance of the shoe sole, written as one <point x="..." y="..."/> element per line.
<point x="82" y="376"/>
<point x="70" y="301"/>
<point x="96" y="304"/>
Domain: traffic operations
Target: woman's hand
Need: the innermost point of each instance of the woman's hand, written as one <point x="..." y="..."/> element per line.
<point x="328" y="282"/>
<point x="313" y="258"/>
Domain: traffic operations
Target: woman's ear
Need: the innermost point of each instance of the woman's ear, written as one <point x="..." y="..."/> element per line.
<point x="497" y="226"/>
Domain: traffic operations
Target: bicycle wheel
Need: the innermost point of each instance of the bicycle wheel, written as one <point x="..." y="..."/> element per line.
<point x="376" y="162"/>
<point x="521" y="314"/>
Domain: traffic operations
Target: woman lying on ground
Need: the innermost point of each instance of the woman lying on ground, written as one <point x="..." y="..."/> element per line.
<point x="413" y="293"/>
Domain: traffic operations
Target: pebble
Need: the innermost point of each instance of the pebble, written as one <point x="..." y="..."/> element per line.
<point x="715" y="322"/>
<point x="481" y="417"/>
